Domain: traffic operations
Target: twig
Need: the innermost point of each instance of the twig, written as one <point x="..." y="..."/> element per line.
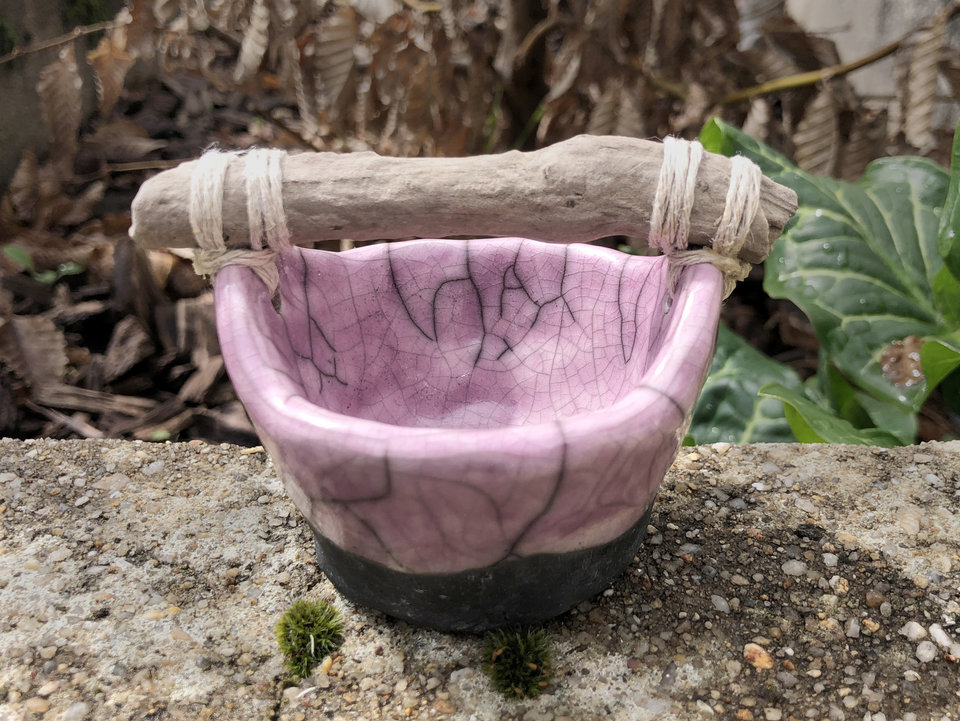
<point x="816" y="76"/>
<point x="811" y="77"/>
<point x="143" y="165"/>
<point x="77" y="32"/>
<point x="422" y="6"/>
<point x="75" y="424"/>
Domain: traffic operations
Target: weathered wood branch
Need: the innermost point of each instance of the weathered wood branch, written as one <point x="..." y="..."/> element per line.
<point x="582" y="189"/>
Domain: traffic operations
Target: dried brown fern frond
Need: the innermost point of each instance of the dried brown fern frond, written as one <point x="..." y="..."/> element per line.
<point x="61" y="100"/>
<point x="919" y="62"/>
<point x="111" y="61"/>
<point x="817" y="138"/>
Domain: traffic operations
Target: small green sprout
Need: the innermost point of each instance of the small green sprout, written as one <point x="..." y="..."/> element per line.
<point x="517" y="661"/>
<point x="47" y="277"/>
<point x="306" y="632"/>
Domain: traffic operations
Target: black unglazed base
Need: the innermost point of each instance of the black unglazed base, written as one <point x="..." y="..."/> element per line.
<point x="520" y="591"/>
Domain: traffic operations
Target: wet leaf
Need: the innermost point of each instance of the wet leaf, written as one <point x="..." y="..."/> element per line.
<point x="811" y="423"/>
<point x="948" y="237"/>
<point x="940" y="356"/>
<point x="861" y="260"/>
<point x="729" y="408"/>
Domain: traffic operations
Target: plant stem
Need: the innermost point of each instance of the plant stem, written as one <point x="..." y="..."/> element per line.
<point x="815" y="76"/>
<point x="77" y="32"/>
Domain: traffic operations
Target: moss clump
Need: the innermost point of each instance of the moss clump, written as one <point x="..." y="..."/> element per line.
<point x="308" y="631"/>
<point x="517" y="661"/>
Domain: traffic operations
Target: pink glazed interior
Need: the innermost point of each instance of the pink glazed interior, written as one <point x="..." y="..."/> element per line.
<point x="442" y="405"/>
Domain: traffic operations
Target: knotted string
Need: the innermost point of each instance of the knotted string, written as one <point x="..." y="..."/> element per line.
<point x="263" y="172"/>
<point x="673" y="205"/>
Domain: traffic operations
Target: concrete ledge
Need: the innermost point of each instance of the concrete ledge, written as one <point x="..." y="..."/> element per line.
<point x="143" y="581"/>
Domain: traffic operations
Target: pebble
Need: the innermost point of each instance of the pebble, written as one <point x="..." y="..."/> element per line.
<point x="48" y="688"/>
<point x="720" y="603"/>
<point x="757" y="656"/>
<point x="908" y="517"/>
<point x="61" y="554"/>
<point x="739" y="580"/>
<point x="830" y="560"/>
<point x="926" y="651"/>
<point x="444" y="706"/>
<point x="36" y="705"/>
<point x="848" y="540"/>
<point x="772" y="714"/>
<point x="913" y="631"/>
<point x="794" y="568"/>
<point x="76" y="711"/>
<point x="874" y="598"/>
<point x="805" y="504"/>
<point x="787" y="679"/>
<point x="153" y="469"/>
<point x="852" y="629"/>
<point x="839" y="584"/>
<point x="940" y="637"/>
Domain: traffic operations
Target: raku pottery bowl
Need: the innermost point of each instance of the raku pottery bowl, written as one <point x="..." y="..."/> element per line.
<point x="474" y="430"/>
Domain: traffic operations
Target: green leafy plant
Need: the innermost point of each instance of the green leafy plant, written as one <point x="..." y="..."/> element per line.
<point x="729" y="408"/>
<point x="517" y="661"/>
<point x="306" y="632"/>
<point x="873" y="264"/>
<point x="47" y="277"/>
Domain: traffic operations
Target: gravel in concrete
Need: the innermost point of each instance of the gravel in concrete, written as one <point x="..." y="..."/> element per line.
<point x="142" y="581"/>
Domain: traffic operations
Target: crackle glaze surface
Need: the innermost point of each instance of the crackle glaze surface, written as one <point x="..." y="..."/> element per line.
<point x="437" y="406"/>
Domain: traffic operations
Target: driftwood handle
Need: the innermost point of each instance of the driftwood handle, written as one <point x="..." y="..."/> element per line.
<point x="582" y="189"/>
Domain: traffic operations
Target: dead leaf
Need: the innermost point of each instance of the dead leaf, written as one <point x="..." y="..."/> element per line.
<point x="329" y="52"/>
<point x="919" y="89"/>
<point x="81" y="208"/>
<point x="34" y="348"/>
<point x="376" y="11"/>
<point x="866" y="138"/>
<point x="950" y="68"/>
<point x="255" y="41"/>
<point x="900" y="362"/>
<point x="121" y="141"/>
<point x="817" y="139"/>
<point x="24" y="186"/>
<point x="696" y="107"/>
<point x="110" y="61"/>
<point x="129" y="344"/>
<point x="61" y="101"/>
<point x="141" y="29"/>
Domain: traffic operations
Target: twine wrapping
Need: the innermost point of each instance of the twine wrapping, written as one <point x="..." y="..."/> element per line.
<point x="673" y="203"/>
<point x="263" y="171"/>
